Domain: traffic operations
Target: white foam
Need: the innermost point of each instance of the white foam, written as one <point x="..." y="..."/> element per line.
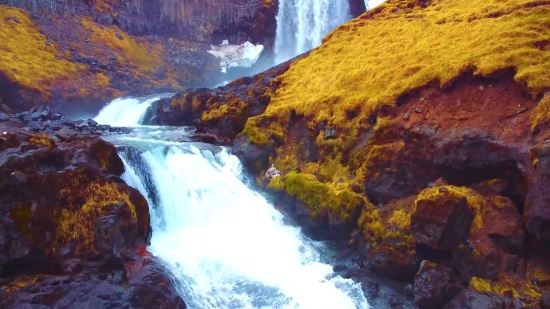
<point x="227" y="245"/>
<point x="124" y="111"/>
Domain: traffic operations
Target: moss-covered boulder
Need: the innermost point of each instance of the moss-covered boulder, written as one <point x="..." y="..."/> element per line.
<point x="442" y="217"/>
<point x="388" y="244"/>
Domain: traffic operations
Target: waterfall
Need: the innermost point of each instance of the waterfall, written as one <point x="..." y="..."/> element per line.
<point x="225" y="243"/>
<point x="126" y="112"/>
<point x="301" y="24"/>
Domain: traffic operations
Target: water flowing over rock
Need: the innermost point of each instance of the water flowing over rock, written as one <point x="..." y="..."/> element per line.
<point x="301" y="24"/>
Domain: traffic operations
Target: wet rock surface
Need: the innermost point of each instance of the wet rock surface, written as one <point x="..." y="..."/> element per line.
<point x="45" y="120"/>
<point x="72" y="233"/>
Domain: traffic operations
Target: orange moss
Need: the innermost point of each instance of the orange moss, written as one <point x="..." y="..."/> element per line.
<point x="391" y="224"/>
<point x="104" y="6"/>
<point x="231" y="107"/>
<point x="24" y="55"/>
<point x="80" y="204"/>
<point x="42" y="139"/>
<point x="519" y="288"/>
<point x="19" y="283"/>
<point x="476" y="202"/>
<point x="102" y="80"/>
<point x="146" y="57"/>
<point x="320" y="197"/>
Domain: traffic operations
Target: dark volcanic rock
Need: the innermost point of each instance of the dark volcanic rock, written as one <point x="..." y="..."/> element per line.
<point x="441" y="219"/>
<point x="73" y="234"/>
<point x="143" y="283"/>
<point x="430" y="285"/>
<point x="496" y="245"/>
<point x="476" y="300"/>
<point x="544" y="302"/>
<point x="388" y="245"/>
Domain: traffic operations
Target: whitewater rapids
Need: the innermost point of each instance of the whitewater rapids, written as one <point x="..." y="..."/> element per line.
<point x="228" y="246"/>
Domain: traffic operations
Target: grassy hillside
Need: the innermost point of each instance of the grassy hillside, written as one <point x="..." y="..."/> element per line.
<point x="401" y="45"/>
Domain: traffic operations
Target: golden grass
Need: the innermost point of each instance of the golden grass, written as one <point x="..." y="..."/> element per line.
<point x="24" y="56"/>
<point x="541" y="113"/>
<point x="146" y="57"/>
<point x="367" y="63"/>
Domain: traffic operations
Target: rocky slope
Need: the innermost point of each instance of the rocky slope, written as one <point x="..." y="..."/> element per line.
<point x="419" y="131"/>
<point x="78" y="54"/>
<point x="72" y="233"/>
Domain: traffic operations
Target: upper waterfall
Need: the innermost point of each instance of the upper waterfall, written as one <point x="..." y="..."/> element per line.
<point x="301" y="24"/>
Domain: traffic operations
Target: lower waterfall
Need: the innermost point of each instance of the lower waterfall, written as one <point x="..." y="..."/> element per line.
<point x="228" y="246"/>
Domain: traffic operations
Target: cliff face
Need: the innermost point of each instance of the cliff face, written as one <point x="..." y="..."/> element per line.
<point x="206" y="21"/>
<point x="423" y="127"/>
<point x="78" y="54"/>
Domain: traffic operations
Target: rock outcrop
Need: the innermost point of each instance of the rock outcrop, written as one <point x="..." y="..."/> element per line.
<point x="437" y="150"/>
<point x="72" y="233"/>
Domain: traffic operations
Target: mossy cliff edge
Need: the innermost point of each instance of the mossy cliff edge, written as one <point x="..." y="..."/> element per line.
<point x="363" y="127"/>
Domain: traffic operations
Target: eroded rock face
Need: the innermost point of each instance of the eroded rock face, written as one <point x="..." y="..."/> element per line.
<point x="72" y="233"/>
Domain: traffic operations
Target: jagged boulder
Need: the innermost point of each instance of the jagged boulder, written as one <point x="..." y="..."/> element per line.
<point x="431" y="284"/>
<point x="442" y="218"/>
<point x="387" y="243"/>
<point x="496" y="241"/>
<point x="64" y="200"/>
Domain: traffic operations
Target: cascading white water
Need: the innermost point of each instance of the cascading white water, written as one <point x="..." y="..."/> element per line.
<point x="126" y="112"/>
<point x="301" y="24"/>
<point x="229" y="246"/>
<point x="225" y="243"/>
